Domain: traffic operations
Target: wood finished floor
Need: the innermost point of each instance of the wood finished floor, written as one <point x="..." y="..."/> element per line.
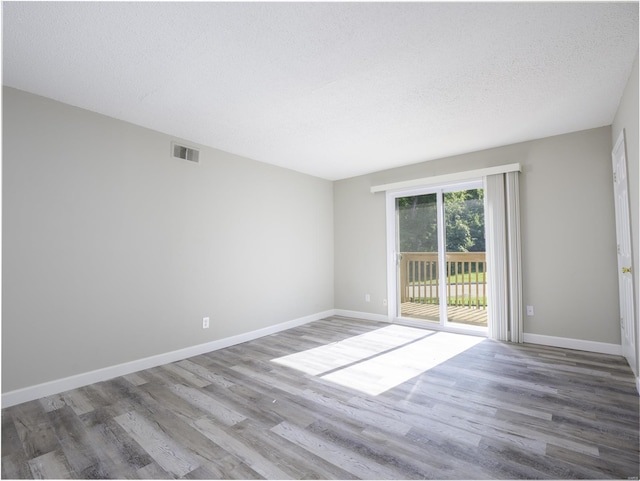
<point x="494" y="411"/>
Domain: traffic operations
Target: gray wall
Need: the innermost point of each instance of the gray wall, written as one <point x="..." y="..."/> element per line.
<point x="568" y="233"/>
<point x="114" y="251"/>
<point x="627" y="118"/>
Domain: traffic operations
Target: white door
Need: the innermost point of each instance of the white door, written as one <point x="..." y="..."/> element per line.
<point x="623" y="237"/>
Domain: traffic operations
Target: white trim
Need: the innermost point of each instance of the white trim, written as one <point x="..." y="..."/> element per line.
<point x="620" y="140"/>
<point x="442" y="259"/>
<point x="433" y="326"/>
<point x="402" y="321"/>
<point x="638" y="384"/>
<point x="447" y="178"/>
<point x="367" y="316"/>
<point x="392" y="229"/>
<point x="393" y="291"/>
<point x="30" y="393"/>
<point x="578" y="344"/>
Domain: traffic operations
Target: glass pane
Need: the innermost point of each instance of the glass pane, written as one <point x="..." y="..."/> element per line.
<point x="418" y="265"/>
<point x="466" y="284"/>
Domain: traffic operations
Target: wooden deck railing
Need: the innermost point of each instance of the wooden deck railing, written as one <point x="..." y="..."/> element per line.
<point x="466" y="286"/>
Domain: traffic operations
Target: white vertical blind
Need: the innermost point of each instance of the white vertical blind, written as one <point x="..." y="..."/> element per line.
<point x="495" y="236"/>
<point x="512" y="197"/>
<point x="504" y="284"/>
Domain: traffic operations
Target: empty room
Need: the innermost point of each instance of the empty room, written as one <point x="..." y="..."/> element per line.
<point x="281" y="240"/>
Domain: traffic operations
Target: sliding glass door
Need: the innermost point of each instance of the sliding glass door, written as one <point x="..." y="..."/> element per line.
<point x="440" y="256"/>
<point x="417" y="253"/>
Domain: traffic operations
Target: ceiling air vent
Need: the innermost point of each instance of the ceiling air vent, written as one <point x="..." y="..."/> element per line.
<point x="183" y="152"/>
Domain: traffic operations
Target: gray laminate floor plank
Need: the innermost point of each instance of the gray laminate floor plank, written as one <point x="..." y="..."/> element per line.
<point x="492" y="411"/>
<point x="307" y="464"/>
<point x="52" y="465"/>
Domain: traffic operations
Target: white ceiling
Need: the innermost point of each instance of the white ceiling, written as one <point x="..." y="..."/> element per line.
<point x="330" y="89"/>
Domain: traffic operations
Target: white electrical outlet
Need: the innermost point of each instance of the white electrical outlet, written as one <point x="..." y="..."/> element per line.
<point x="529" y="310"/>
<point x="205" y="323"/>
<point x="367" y="298"/>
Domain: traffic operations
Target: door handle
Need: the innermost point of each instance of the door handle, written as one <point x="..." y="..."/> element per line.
<point x="626" y="270"/>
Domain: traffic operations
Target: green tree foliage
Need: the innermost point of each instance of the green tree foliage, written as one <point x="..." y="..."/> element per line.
<point x="417" y="218"/>
<point x="464" y="220"/>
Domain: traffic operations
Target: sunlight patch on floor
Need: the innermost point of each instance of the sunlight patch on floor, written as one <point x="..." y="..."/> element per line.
<point x="382" y="359"/>
<point x="342" y="353"/>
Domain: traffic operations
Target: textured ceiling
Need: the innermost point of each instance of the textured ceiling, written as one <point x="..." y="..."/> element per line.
<point x="330" y="89"/>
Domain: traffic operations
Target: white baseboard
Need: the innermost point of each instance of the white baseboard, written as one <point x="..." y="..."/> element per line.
<point x="367" y="316"/>
<point x="578" y="344"/>
<point x="30" y="393"/>
<point x="638" y="384"/>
